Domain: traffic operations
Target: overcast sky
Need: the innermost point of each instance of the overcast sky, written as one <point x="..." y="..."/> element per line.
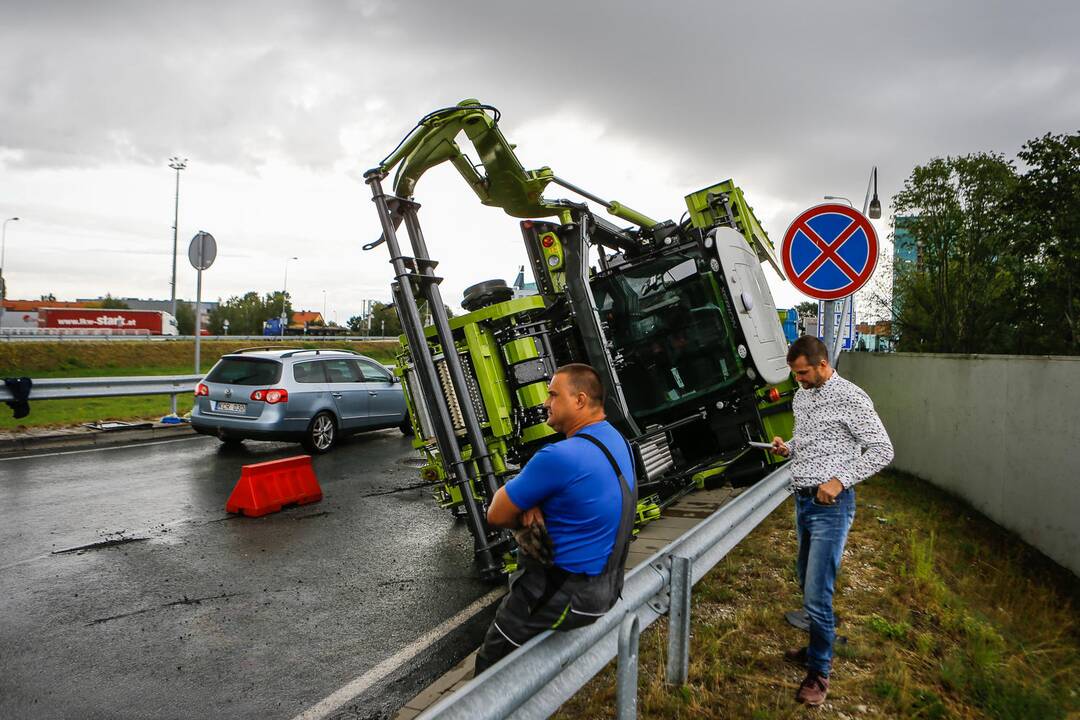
<point x="281" y="106"/>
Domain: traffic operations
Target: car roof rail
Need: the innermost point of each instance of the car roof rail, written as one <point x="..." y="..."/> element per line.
<point x="261" y="348"/>
<point x="317" y="351"/>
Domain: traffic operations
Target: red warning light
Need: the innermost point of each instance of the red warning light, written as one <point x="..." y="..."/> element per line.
<point x="548" y="241"/>
<point x="773" y="395"/>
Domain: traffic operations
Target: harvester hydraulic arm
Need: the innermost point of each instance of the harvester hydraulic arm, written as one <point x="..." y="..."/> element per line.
<point x="505" y="183"/>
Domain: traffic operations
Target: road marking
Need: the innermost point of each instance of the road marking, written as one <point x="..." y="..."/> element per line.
<point x="101" y="449"/>
<point x="338" y="699"/>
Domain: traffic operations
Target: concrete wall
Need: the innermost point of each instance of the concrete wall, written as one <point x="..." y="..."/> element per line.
<point x="1000" y="431"/>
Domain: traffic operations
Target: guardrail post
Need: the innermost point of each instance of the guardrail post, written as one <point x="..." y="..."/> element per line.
<point x="626" y="681"/>
<point x="678" y="662"/>
<point x="172" y="404"/>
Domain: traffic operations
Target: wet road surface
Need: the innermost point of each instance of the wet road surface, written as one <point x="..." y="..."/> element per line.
<point x="127" y="591"/>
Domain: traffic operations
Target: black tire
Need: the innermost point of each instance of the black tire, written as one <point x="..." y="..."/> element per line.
<point x="321" y="434"/>
<point x="406" y="427"/>
<point x="486" y="293"/>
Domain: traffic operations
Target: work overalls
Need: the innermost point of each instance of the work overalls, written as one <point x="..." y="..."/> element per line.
<point x="552" y="598"/>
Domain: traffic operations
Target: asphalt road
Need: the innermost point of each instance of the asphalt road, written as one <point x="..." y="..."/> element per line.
<point x="194" y="613"/>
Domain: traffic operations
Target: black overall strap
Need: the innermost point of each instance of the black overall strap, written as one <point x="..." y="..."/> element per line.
<point x="622" y="534"/>
<point x="556" y="576"/>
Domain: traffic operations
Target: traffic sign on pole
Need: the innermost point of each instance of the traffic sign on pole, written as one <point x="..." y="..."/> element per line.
<point x="202" y="252"/>
<point x="829" y="251"/>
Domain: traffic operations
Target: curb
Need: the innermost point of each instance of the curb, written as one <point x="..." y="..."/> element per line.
<point x="31" y="444"/>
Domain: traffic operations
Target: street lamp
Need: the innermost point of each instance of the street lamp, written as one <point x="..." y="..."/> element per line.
<point x="3" y="243"/>
<point x="3" y="246"/>
<point x="324" y="308"/>
<point x="284" y="289"/>
<point x="177" y="164"/>
<point x="875" y="204"/>
<point x="839" y="197"/>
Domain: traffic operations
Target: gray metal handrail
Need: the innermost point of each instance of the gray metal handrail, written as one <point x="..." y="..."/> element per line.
<point x="15" y="335"/>
<point x="91" y="387"/>
<point x="538" y="677"/>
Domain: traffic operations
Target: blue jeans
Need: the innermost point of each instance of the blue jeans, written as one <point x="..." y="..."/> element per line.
<point x="822" y="531"/>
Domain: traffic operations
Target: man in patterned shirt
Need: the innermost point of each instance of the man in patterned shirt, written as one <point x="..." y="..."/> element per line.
<point x="839" y="441"/>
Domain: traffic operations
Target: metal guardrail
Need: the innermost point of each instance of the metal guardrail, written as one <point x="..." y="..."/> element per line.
<point x="90" y="387"/>
<point x="534" y="680"/>
<point x="7" y="336"/>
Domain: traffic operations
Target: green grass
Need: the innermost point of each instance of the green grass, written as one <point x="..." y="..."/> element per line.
<point x="111" y="359"/>
<point x="946" y="615"/>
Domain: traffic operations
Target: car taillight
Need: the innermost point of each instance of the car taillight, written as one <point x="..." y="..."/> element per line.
<point x="201" y="389"/>
<point x="272" y="396"/>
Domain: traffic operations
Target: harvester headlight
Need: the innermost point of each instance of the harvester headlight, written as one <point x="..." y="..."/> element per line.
<point x="553" y="260"/>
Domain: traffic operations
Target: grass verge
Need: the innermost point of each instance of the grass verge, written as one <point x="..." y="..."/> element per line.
<point x="946" y="616"/>
<point x="92" y="359"/>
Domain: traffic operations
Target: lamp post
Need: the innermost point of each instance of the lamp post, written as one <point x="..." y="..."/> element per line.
<point x="3" y="247"/>
<point x="284" y="289"/>
<point x="176" y="163"/>
<point x="872" y="209"/>
<point x="324" y="307"/>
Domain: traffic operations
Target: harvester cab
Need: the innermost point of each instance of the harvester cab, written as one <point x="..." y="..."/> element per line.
<point x="676" y="317"/>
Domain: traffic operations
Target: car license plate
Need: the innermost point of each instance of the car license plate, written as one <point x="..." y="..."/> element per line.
<point x="231" y="407"/>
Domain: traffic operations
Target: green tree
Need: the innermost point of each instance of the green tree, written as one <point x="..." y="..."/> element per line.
<point x="1045" y="209"/>
<point x="111" y="303"/>
<point x="185" y="318"/>
<point x="247" y="313"/>
<point x="956" y="299"/>
<point x="384" y="320"/>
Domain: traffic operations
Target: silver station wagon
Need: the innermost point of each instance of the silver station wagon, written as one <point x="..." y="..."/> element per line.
<point x="307" y="396"/>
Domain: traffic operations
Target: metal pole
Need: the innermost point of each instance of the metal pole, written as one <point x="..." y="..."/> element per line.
<point x="437" y="312"/>
<point x="176" y="164"/>
<point x="626" y="681"/>
<point x="284" y="290"/>
<point x="3" y="249"/>
<point x="678" y="662"/>
<point x="198" y="314"/>
<point x="429" y="380"/>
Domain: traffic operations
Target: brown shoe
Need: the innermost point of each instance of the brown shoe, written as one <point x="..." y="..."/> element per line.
<point x="796" y="655"/>
<point x="813" y="689"/>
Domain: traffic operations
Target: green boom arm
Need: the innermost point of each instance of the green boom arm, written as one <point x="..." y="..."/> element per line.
<point x="507" y="184"/>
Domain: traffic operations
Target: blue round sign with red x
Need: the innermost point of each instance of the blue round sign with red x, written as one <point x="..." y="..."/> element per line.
<point x="829" y="251"/>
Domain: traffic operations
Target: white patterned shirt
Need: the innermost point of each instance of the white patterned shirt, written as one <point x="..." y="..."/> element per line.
<point x="834" y="424"/>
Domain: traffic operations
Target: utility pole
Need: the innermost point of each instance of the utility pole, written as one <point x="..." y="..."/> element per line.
<point x="177" y="164"/>
<point x="3" y="248"/>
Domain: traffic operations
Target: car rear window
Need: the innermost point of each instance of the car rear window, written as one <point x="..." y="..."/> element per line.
<point x="245" y="371"/>
<point x="309" y="372"/>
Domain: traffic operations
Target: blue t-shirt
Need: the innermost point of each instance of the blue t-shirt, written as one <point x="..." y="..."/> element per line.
<point x="576" y="489"/>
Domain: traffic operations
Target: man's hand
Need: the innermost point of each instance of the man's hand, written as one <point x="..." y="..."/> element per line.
<point x="532" y="537"/>
<point x="827" y="491"/>
<point x="532" y="516"/>
<point x="780" y="447"/>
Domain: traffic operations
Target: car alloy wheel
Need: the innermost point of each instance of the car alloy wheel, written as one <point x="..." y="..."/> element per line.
<point x="322" y="433"/>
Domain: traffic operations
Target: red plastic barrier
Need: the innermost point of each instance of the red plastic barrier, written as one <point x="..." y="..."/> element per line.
<point x="266" y="487"/>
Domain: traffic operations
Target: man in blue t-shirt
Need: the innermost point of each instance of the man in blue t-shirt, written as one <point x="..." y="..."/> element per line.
<point x="583" y="491"/>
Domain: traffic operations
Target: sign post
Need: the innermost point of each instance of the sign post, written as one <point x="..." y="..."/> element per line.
<point x="202" y="252"/>
<point x="829" y="252"/>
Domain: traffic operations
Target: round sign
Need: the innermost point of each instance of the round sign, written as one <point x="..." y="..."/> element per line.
<point x="202" y="251"/>
<point x="829" y="251"/>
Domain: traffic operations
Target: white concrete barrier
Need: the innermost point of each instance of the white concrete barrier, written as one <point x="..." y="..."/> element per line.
<point x="1000" y="431"/>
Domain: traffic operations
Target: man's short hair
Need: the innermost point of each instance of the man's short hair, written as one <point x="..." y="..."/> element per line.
<point x="808" y="347"/>
<point x="583" y="379"/>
